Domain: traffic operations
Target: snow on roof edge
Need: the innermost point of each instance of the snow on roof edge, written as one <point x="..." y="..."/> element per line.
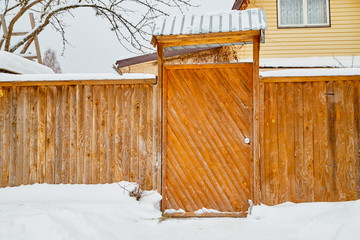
<point x="17" y="64"/>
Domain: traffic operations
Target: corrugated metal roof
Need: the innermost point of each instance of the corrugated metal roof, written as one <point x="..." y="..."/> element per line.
<point x="230" y="21"/>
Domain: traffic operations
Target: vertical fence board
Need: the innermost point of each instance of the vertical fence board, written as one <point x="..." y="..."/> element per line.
<point x="322" y="166"/>
<point x="88" y="133"/>
<point x="13" y="138"/>
<point x="95" y="147"/>
<point x="331" y="136"/>
<point x="65" y="135"/>
<point x="284" y="183"/>
<point x="33" y="135"/>
<point x="41" y="134"/>
<point x="26" y="137"/>
<point x="50" y="134"/>
<point x="149" y="158"/>
<point x="127" y="111"/>
<point x="6" y="136"/>
<point x="119" y="126"/>
<point x="299" y="143"/>
<point x="19" y="135"/>
<point x="58" y="161"/>
<point x="308" y="167"/>
<point x="142" y="136"/>
<point x="134" y="150"/>
<point x="340" y="150"/>
<point x="267" y="145"/>
<point x="110" y="131"/>
<point x="103" y="115"/>
<point x="349" y="164"/>
<point x="290" y="142"/>
<point x="274" y="152"/>
<point x="73" y="135"/>
<point x="80" y="133"/>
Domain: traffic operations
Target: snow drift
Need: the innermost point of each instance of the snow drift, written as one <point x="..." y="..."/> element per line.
<point x="73" y="212"/>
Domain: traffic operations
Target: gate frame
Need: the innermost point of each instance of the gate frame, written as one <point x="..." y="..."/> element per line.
<point x="162" y="42"/>
<point x="165" y="120"/>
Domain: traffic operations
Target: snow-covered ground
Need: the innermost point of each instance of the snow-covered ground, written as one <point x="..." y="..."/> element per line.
<point x="107" y="212"/>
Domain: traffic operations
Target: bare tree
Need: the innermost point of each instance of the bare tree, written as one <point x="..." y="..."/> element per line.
<point x="50" y="60"/>
<point x="130" y="20"/>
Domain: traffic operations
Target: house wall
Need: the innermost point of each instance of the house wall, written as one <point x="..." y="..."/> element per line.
<point x="341" y="39"/>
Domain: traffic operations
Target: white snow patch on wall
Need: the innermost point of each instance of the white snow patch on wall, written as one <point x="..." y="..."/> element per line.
<point x="13" y="63"/>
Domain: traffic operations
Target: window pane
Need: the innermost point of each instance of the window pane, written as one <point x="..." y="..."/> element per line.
<point x="317" y="11"/>
<point x="291" y="12"/>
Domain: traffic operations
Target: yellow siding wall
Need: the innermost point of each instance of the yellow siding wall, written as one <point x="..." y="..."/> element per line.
<point x="341" y="39"/>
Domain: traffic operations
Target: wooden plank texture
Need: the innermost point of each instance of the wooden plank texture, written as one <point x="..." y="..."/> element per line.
<point x="208" y="164"/>
<point x="310" y="137"/>
<point x="318" y="140"/>
<point x="78" y="134"/>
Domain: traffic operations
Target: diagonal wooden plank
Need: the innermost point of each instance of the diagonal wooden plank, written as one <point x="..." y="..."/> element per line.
<point x="198" y="120"/>
<point x="218" y="83"/>
<point x="190" y="135"/>
<point x="214" y="110"/>
<point x="219" y="114"/>
<point x="199" y="111"/>
<point x="214" y="125"/>
<point x="225" y="114"/>
<point x="191" y="176"/>
<point x="195" y="166"/>
<point x="217" y="165"/>
<point x="189" y="171"/>
<point x="234" y="83"/>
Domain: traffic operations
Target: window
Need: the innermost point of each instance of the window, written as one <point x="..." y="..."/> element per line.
<point x="303" y="13"/>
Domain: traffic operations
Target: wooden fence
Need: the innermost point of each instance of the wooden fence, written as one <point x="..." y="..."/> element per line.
<point x="310" y="139"/>
<point x="79" y="132"/>
<point x="106" y="131"/>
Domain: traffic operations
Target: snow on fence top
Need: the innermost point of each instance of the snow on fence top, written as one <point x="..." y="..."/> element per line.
<point x="312" y="72"/>
<point x="73" y="77"/>
<point x="311" y="62"/>
<point x="10" y="62"/>
<point x="230" y="21"/>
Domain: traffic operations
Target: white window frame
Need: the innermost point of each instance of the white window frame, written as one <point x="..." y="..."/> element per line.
<point x="305" y="24"/>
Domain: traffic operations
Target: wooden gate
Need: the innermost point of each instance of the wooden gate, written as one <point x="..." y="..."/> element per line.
<point x="208" y="118"/>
